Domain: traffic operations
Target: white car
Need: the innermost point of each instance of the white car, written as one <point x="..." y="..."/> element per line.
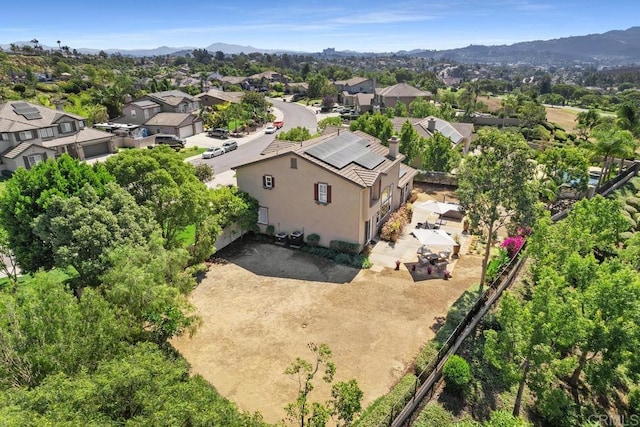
<point x="270" y="129"/>
<point x="213" y="152"/>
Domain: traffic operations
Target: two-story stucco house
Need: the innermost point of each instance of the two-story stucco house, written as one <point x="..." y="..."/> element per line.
<point x="31" y="133"/>
<point x="341" y="186"/>
<point x="170" y="111"/>
<point x="217" y="97"/>
<point x="388" y="97"/>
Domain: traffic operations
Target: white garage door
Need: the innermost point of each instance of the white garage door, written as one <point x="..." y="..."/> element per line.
<point x="185" y="131"/>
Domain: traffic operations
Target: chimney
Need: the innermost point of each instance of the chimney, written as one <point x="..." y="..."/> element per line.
<point x="431" y="125"/>
<point x="393" y="146"/>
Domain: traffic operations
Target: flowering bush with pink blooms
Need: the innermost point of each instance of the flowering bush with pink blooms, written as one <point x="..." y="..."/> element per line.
<point x="512" y="244"/>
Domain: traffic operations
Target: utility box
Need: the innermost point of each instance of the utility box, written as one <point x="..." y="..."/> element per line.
<point x="296" y="239"/>
<point x="282" y="238"/>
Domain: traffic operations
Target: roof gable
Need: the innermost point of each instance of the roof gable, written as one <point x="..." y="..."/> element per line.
<point x="354" y="156"/>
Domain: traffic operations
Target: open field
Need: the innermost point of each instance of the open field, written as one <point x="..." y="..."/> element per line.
<point x="565" y="117"/>
<point x="263" y="303"/>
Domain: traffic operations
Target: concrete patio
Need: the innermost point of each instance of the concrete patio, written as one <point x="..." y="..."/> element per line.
<point x="385" y="254"/>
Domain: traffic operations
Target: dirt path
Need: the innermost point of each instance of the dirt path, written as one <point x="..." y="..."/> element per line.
<point x="262" y="309"/>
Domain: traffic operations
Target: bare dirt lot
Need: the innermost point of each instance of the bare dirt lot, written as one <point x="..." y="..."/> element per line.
<point x="262" y="307"/>
<point x="562" y="116"/>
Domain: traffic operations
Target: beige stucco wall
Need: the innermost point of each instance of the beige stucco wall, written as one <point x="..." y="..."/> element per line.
<point x="291" y="202"/>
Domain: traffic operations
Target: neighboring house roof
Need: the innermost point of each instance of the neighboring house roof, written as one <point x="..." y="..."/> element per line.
<point x="14" y="152"/>
<point x="304" y="85"/>
<point x="354" y="156"/>
<point x="80" y="137"/>
<point x="16" y="116"/>
<point x="171" y="119"/>
<point x="144" y="104"/>
<point x="364" y="98"/>
<point x="353" y="81"/>
<point x="266" y="75"/>
<point x="456" y="132"/>
<point x="232" y="79"/>
<point x="401" y="90"/>
<point x="440" y="126"/>
<point x="234" y="97"/>
<point x="171" y="97"/>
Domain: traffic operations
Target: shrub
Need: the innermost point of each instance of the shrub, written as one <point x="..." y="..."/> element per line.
<point x="457" y="374"/>
<point x="496" y="265"/>
<point x="434" y="415"/>
<point x="313" y="239"/>
<point x="380" y="410"/>
<point x="395" y="223"/>
<point x="342" y="258"/>
<point x="348" y="247"/>
<point x="512" y="245"/>
<point x="270" y="230"/>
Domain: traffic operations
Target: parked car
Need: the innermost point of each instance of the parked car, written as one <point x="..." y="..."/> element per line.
<point x="219" y="133"/>
<point x="213" y="152"/>
<point x="172" y="141"/>
<point x="270" y="129"/>
<point x="229" y="146"/>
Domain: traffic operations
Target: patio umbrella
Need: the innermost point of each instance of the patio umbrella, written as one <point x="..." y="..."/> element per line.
<point x="437" y="207"/>
<point x="434" y="239"/>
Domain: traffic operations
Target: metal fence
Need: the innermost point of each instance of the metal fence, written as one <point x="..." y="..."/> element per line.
<point x="428" y="380"/>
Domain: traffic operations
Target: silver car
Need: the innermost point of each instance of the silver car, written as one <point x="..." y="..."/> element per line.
<point x="213" y="152"/>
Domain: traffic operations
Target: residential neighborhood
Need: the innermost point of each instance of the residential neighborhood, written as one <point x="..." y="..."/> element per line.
<point x="197" y="237"/>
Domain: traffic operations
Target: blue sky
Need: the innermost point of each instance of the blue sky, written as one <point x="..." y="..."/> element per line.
<point x="311" y="25"/>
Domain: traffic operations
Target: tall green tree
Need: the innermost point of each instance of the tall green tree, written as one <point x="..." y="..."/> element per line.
<point x="27" y="196"/>
<point x="82" y="229"/>
<point x="409" y="142"/>
<point x="439" y="155"/>
<point x="45" y="330"/>
<point x="421" y="108"/>
<point x="568" y="166"/>
<point x="377" y="125"/>
<point x="612" y="143"/>
<point x="495" y="184"/>
<point x="160" y="180"/>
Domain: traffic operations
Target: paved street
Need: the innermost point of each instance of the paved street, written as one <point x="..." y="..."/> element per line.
<point x="251" y="145"/>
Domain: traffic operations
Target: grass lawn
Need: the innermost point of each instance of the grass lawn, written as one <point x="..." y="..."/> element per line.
<point x="187" y="237"/>
<point x="185" y="153"/>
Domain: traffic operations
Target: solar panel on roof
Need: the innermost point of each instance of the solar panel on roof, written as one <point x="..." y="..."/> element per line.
<point x="344" y="149"/>
<point x="32" y="115"/>
<point x="369" y="160"/>
<point x="28" y="111"/>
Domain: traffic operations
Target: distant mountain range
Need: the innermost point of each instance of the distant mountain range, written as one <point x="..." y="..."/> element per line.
<point x="613" y="48"/>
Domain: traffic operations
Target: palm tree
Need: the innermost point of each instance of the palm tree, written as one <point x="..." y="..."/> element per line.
<point x="612" y="142"/>
<point x="35" y="43"/>
<point x="58" y="44"/>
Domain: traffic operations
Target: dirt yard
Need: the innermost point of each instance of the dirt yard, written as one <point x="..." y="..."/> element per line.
<point x="264" y="304"/>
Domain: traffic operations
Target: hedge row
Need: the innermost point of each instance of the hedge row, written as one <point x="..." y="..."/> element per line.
<point x="352" y="260"/>
<point x="377" y="414"/>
